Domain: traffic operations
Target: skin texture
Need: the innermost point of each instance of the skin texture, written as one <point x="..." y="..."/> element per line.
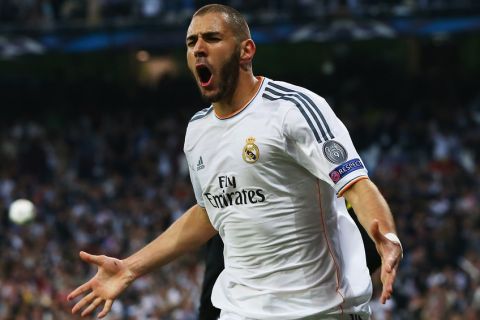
<point x="189" y="232"/>
<point x="374" y="214"/>
<point x="212" y="46"/>
<point x="211" y="42"/>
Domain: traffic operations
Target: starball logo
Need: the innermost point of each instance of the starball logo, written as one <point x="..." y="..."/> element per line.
<point x="344" y="169"/>
<point x="233" y="196"/>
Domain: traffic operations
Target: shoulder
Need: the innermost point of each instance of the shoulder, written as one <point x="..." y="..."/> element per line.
<point x="195" y="126"/>
<point x="305" y="108"/>
<point x="293" y="97"/>
<point x="201" y="114"/>
<point x="197" y="122"/>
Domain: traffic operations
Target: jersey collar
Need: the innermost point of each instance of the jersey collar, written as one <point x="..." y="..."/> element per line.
<point x="233" y="114"/>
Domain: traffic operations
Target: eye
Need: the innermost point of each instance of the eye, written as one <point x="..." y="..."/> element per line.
<point x="212" y="38"/>
<point x="191" y="41"/>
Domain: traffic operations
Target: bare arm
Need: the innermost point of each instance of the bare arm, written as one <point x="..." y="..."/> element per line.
<point x="374" y="214"/>
<point x="187" y="233"/>
<point x="113" y="276"/>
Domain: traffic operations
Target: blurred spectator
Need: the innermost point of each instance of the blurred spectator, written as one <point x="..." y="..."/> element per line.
<point x="107" y="184"/>
<point x="48" y="13"/>
<point x="111" y="182"/>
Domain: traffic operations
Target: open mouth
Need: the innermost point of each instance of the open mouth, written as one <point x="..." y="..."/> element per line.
<point x="204" y="74"/>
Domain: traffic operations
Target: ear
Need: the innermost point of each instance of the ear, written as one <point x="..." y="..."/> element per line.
<point x="247" y="51"/>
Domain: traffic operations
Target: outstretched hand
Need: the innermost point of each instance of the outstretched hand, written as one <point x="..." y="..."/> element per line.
<point x="111" y="279"/>
<point x="391" y="254"/>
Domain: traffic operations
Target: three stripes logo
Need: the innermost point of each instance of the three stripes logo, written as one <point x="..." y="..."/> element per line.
<point x="310" y="111"/>
<point x="200" y="164"/>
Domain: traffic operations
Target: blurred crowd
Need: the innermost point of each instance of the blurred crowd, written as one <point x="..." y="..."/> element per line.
<point x="109" y="181"/>
<point x="424" y="156"/>
<point x="49" y="13"/>
<point x="105" y="185"/>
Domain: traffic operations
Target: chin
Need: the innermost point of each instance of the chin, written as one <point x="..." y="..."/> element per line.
<point x="211" y="97"/>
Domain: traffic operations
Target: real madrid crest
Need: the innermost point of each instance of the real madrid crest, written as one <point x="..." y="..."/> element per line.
<point x="251" y="153"/>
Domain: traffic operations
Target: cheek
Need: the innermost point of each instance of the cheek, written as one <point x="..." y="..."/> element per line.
<point x="191" y="62"/>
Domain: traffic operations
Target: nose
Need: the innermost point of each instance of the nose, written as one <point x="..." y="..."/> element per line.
<point x="200" y="49"/>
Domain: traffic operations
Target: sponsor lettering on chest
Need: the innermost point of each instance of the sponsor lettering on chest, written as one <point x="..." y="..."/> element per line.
<point x="233" y="195"/>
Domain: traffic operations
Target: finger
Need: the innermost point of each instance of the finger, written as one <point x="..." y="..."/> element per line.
<point x="78" y="291"/>
<point x="387" y="290"/>
<point x="92" y="306"/>
<point x="86" y="300"/>
<point x="386" y="294"/>
<point x="384" y="298"/>
<point x="90" y="258"/>
<point x="106" y="309"/>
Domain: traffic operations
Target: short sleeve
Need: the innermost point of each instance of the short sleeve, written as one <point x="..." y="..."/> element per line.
<point x="320" y="142"/>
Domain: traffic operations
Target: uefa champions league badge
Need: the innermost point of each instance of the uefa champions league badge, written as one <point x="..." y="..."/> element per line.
<point x="334" y="152"/>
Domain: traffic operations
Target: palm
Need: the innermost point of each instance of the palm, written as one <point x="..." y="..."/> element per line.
<point x="111" y="279"/>
<point x="391" y="254"/>
<point x="107" y="283"/>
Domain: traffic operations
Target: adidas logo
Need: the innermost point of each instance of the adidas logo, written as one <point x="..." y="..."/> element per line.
<point x="200" y="164"/>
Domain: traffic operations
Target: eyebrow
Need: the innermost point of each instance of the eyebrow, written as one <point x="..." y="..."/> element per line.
<point x="204" y="35"/>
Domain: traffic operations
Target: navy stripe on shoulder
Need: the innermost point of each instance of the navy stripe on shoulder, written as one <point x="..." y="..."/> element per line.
<point x="201" y="114"/>
<point x="297" y="104"/>
<point x="311" y="103"/>
<point x="306" y="107"/>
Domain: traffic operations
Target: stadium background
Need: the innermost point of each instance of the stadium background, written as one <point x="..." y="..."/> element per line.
<point x="95" y="98"/>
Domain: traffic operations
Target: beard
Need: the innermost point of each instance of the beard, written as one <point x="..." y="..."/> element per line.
<point x="228" y="80"/>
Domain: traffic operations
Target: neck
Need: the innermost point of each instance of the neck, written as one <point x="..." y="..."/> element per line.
<point x="246" y="89"/>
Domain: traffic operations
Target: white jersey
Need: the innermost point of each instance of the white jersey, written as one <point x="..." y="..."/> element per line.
<point x="270" y="177"/>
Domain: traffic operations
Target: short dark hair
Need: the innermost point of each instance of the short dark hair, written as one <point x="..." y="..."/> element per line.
<point x="235" y="19"/>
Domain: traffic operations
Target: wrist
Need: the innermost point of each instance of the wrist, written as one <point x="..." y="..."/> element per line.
<point x="394" y="238"/>
<point x="132" y="270"/>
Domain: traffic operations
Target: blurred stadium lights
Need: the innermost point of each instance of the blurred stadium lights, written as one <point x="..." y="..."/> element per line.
<point x="121" y="38"/>
<point x="11" y="47"/>
<point x="97" y="26"/>
<point x="143" y="56"/>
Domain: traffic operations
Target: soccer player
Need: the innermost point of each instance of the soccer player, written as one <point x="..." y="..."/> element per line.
<point x="269" y="164"/>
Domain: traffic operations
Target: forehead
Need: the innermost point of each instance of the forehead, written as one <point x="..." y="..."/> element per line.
<point x="209" y="22"/>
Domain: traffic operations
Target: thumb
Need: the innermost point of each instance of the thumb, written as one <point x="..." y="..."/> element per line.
<point x="90" y="258"/>
<point x="375" y="231"/>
